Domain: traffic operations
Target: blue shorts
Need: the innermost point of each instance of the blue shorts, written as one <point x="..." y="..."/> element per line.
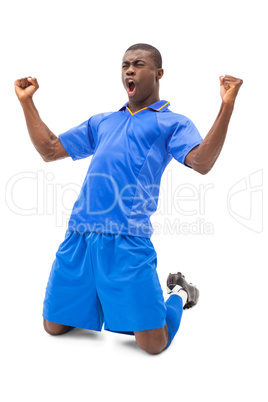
<point x="105" y="278"/>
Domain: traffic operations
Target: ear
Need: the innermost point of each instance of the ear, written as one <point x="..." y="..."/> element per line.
<point x="160" y="73"/>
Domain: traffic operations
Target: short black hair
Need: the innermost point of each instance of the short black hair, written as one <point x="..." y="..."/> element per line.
<point x="156" y="55"/>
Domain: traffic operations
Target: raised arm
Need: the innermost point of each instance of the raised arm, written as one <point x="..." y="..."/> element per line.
<point x="45" y="142"/>
<point x="203" y="157"/>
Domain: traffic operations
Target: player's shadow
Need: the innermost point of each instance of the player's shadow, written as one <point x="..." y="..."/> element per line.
<point x="80" y="333"/>
<point x="130" y="344"/>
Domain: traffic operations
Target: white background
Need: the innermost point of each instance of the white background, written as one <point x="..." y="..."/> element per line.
<point x="75" y="51"/>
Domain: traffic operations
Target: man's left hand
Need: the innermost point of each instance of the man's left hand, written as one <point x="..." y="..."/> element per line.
<point x="229" y="88"/>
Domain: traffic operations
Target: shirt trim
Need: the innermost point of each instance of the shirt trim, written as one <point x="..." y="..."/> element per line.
<point x="153" y="106"/>
<point x="137" y="111"/>
<point x="163" y="106"/>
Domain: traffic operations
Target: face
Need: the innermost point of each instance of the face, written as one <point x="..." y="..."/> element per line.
<point x="140" y="76"/>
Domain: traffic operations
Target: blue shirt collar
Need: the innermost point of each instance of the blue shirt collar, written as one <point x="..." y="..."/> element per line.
<point x="159" y="106"/>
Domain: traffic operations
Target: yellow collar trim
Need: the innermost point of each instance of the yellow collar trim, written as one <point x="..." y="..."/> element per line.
<point x="145" y="108"/>
<point x="137" y="111"/>
<point x="163" y="106"/>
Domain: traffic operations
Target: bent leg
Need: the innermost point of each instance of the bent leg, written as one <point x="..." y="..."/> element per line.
<point x="155" y="341"/>
<point x="53" y="328"/>
<point x="152" y="341"/>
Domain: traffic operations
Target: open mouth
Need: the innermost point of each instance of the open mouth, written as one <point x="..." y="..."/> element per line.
<point x="131" y="87"/>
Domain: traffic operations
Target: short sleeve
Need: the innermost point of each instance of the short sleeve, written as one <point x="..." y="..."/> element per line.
<point x="78" y="141"/>
<point x="183" y="140"/>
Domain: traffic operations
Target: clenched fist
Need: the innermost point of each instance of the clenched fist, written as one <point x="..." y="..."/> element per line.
<point x="25" y="88"/>
<point x="229" y="88"/>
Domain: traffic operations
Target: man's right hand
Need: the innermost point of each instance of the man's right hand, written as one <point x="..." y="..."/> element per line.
<point x="25" y="88"/>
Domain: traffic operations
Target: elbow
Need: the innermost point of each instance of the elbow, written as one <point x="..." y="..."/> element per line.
<point x="48" y="154"/>
<point x="53" y="151"/>
<point x="203" y="167"/>
<point x="203" y="170"/>
<point x="48" y="157"/>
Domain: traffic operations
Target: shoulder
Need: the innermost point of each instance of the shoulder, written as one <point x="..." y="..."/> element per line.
<point x="173" y="118"/>
<point x="98" y="118"/>
<point x="169" y="121"/>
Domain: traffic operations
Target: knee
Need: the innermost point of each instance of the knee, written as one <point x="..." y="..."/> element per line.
<point x="154" y="349"/>
<point x="54" y="329"/>
<point x="152" y="341"/>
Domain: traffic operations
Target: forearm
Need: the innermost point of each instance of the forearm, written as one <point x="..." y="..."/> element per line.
<point x="42" y="138"/>
<point x="208" y="151"/>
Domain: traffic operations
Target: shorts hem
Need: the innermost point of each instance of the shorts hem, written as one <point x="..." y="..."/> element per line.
<point x="130" y="330"/>
<point x="72" y="323"/>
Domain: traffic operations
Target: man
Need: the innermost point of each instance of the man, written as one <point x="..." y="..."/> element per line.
<point x="105" y="269"/>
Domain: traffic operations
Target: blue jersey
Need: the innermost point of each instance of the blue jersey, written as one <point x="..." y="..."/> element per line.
<point x="130" y="153"/>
